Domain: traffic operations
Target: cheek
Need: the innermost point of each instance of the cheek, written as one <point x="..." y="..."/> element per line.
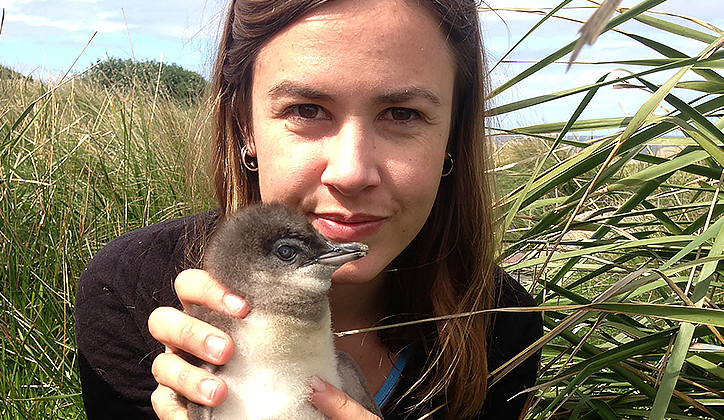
<point x="418" y="207"/>
<point x="280" y="180"/>
<point x="286" y="174"/>
<point x="414" y="189"/>
<point x="417" y="189"/>
<point x="417" y="179"/>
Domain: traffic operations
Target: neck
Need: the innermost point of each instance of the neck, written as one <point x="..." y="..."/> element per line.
<point x="361" y="305"/>
<point x="357" y="305"/>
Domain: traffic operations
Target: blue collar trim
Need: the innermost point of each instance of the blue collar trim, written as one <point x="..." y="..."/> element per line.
<point x="393" y="377"/>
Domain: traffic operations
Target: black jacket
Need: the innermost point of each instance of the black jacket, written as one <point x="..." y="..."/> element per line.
<point x="134" y="274"/>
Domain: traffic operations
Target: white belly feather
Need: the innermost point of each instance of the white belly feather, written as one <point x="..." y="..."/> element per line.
<point x="275" y="358"/>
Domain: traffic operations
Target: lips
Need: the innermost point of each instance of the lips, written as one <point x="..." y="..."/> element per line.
<point x="342" y="228"/>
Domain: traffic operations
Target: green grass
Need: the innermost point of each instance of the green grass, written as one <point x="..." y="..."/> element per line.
<point x="600" y="221"/>
<point x="79" y="166"/>
<point x="607" y="223"/>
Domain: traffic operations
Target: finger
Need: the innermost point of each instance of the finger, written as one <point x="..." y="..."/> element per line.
<point x="337" y="405"/>
<point x="199" y="288"/>
<point x="180" y="331"/>
<point x="166" y="404"/>
<point x="194" y="383"/>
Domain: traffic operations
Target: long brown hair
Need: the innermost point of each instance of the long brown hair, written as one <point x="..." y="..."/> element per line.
<point x="448" y="268"/>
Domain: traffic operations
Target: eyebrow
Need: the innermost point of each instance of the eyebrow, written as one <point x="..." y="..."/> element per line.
<point x="291" y="89"/>
<point x="407" y="94"/>
<point x="287" y="89"/>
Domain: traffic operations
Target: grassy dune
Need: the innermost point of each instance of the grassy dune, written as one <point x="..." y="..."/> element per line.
<point x="80" y="165"/>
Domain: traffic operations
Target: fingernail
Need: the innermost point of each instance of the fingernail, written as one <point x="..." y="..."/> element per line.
<point x="234" y="304"/>
<point x="215" y="346"/>
<point x="208" y="388"/>
<point x="317" y="384"/>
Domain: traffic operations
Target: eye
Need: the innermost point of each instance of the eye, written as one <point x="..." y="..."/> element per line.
<point x="309" y="111"/>
<point x="401" y="114"/>
<point x="286" y="253"/>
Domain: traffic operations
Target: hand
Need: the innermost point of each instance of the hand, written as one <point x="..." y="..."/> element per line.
<point x="180" y="332"/>
<point x="337" y="405"/>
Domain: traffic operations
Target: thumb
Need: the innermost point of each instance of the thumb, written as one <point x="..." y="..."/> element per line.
<point x="335" y="404"/>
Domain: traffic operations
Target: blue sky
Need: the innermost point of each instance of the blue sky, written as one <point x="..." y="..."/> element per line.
<point x="503" y="31"/>
<point x="44" y="38"/>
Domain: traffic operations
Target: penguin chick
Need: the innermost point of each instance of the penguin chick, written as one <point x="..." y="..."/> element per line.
<point x="282" y="267"/>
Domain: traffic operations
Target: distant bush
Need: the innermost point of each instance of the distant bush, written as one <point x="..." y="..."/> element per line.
<point x="7" y="73"/>
<point x="173" y="81"/>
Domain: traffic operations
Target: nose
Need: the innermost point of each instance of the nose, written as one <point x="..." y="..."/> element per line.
<point x="352" y="164"/>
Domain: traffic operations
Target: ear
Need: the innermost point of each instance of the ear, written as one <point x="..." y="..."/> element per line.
<point x="250" y="147"/>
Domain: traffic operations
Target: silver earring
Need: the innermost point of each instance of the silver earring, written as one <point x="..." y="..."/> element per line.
<point x="248" y="161"/>
<point x="447" y="166"/>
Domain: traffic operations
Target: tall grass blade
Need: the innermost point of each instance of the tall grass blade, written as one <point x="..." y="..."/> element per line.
<point x="627" y="15"/>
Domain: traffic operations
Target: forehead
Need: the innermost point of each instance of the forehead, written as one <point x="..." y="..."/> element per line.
<point x="365" y="44"/>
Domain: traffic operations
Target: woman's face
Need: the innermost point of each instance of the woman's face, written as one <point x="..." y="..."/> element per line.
<point x="351" y="112"/>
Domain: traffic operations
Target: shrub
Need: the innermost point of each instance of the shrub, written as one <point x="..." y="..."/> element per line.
<point x="7" y="73"/>
<point x="168" y="79"/>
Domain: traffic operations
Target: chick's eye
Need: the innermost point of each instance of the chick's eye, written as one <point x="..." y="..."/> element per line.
<point x="286" y="253"/>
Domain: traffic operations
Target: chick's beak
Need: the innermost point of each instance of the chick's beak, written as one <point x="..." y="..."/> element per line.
<point x="340" y="253"/>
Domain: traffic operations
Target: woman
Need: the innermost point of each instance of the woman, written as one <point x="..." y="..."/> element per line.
<point x="366" y="116"/>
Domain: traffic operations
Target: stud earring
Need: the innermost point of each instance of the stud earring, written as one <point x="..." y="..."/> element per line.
<point x="447" y="166"/>
<point x="248" y="161"/>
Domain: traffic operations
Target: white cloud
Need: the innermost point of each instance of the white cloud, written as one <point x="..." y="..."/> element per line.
<point x="100" y="25"/>
<point x="106" y="14"/>
<point x="9" y="5"/>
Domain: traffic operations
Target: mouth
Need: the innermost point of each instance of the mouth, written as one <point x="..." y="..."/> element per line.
<point x="341" y="253"/>
<point x="347" y="228"/>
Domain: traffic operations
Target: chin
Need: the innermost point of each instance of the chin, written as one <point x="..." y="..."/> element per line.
<point x="358" y="272"/>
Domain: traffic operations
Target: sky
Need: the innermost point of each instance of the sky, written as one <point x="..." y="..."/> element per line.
<point x="504" y="28"/>
<point x="45" y="38"/>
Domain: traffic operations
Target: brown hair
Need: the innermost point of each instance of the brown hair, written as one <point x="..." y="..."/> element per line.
<point x="448" y="268"/>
